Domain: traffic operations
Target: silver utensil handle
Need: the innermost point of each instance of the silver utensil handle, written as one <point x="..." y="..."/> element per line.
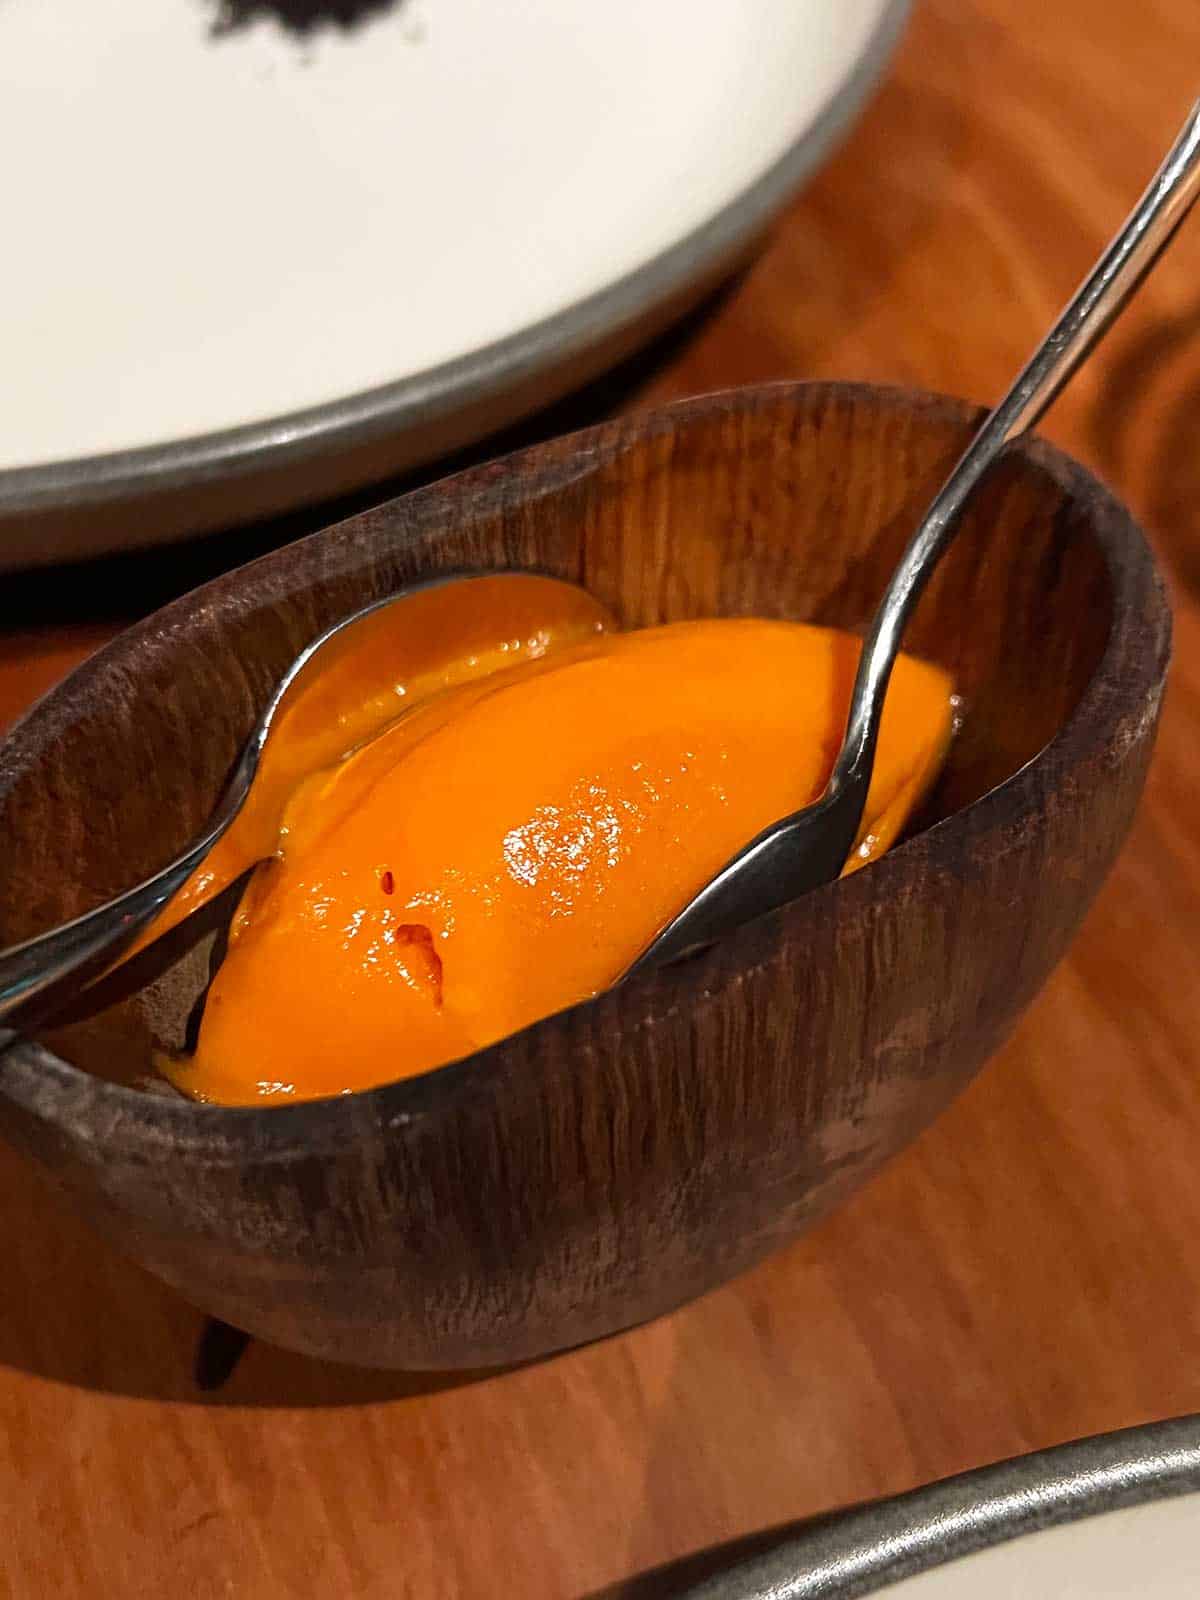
<point x="28" y="970"/>
<point x="1146" y="233"/>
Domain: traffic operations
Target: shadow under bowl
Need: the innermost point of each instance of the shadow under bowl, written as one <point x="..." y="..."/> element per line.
<point x="611" y="1162"/>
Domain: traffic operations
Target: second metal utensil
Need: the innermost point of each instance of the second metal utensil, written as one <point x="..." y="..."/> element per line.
<point x="36" y="968"/>
<point x="810" y="847"/>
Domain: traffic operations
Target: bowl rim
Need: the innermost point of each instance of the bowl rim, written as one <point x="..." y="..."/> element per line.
<point x="866" y="1549"/>
<point x="1118" y="703"/>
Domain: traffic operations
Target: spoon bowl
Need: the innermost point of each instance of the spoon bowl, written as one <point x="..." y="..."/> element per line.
<point x="610" y="1162"/>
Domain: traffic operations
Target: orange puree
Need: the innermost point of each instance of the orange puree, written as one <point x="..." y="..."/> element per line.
<point x="510" y="845"/>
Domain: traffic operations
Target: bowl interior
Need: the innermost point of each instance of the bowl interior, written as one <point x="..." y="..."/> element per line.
<point x="790" y="502"/>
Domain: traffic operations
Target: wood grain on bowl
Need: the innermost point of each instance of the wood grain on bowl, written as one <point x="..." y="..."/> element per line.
<point x="618" y="1159"/>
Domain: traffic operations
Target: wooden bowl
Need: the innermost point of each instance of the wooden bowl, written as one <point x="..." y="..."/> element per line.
<point x="617" y="1159"/>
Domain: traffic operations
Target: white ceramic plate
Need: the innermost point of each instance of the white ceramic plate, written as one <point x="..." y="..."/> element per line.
<point x="1115" y="1517"/>
<point x="231" y="250"/>
<point x="1149" y="1552"/>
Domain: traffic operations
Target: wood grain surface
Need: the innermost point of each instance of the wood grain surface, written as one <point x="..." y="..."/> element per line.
<point x="1026" y="1273"/>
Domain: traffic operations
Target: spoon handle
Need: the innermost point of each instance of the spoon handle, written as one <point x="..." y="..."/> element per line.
<point x="29" y="970"/>
<point x="1098" y="301"/>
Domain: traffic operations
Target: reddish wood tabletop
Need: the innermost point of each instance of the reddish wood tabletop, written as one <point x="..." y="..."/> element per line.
<point x="1028" y="1272"/>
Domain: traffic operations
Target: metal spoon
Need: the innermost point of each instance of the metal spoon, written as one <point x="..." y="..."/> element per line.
<point x="86" y="944"/>
<point x="803" y="850"/>
<point x="810" y="847"/>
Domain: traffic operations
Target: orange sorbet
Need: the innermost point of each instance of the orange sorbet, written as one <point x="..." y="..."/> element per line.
<point x="509" y="846"/>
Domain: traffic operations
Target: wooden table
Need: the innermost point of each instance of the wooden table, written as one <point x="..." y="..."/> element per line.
<point x="1029" y="1272"/>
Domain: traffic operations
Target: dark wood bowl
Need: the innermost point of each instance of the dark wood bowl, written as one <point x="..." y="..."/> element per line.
<point x="615" y="1160"/>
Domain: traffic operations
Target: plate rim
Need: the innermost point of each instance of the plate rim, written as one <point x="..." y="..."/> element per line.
<point x="425" y="397"/>
<point x="864" y="1550"/>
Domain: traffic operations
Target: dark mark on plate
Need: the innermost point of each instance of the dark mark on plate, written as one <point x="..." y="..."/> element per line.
<point x="301" y="17"/>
